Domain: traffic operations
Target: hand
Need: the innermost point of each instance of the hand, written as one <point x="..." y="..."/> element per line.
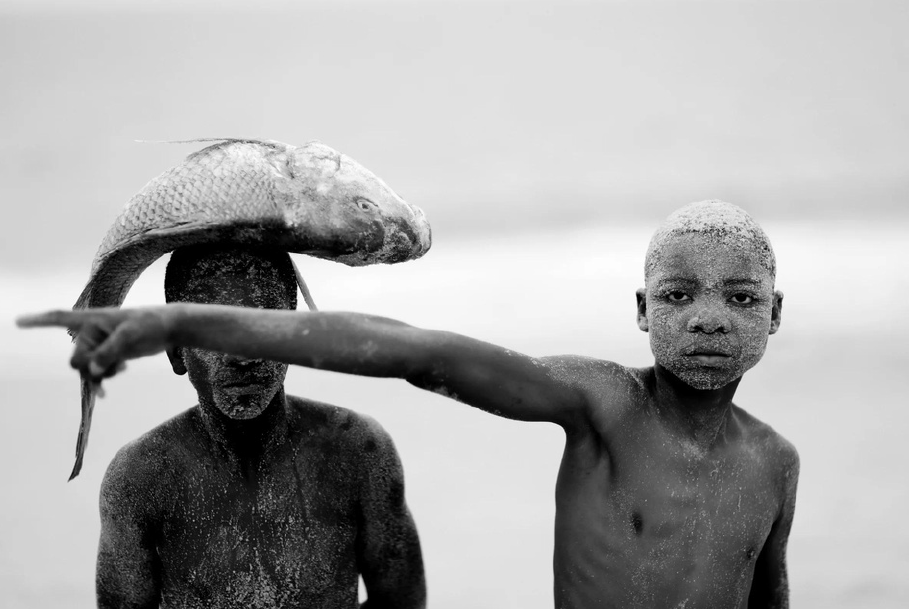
<point x="106" y="338"/>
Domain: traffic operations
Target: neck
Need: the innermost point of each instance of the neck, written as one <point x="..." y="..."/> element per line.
<point x="700" y="414"/>
<point x="245" y="442"/>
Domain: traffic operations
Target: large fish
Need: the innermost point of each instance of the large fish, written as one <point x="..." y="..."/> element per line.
<point x="309" y="199"/>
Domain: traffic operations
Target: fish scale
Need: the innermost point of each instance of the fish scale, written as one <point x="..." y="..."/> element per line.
<point x="309" y="199"/>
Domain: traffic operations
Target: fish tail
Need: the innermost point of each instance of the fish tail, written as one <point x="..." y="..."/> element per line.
<point x="83" y="302"/>
<point x="89" y="394"/>
<point x="307" y="297"/>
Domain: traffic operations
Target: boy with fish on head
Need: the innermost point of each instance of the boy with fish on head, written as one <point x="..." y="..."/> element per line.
<point x="253" y="498"/>
<point x="668" y="494"/>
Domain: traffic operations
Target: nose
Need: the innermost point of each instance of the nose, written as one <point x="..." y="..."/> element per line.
<point x="709" y="320"/>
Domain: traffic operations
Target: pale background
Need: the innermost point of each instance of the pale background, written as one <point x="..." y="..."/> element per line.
<point x="545" y="142"/>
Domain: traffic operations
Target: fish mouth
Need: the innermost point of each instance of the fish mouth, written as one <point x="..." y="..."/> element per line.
<point x="405" y="240"/>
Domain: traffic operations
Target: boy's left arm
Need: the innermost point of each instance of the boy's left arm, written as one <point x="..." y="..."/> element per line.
<point x="770" y="585"/>
<point x="388" y="548"/>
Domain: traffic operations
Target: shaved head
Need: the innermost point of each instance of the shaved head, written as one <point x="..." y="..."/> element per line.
<point x="721" y="222"/>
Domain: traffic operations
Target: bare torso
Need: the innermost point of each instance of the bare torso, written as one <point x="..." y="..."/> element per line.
<point x="646" y="518"/>
<point x="284" y="533"/>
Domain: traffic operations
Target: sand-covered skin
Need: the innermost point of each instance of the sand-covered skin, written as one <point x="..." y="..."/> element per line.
<point x="254" y="499"/>
<point x="710" y="274"/>
<point x="239" y="389"/>
<point x="726" y="223"/>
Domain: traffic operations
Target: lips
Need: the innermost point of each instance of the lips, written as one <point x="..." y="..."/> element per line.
<point x="709" y="360"/>
<point x="708" y="347"/>
<point x="708" y="356"/>
<point x="241" y="385"/>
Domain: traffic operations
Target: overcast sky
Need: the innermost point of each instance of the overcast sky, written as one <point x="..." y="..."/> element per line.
<point x="489" y="116"/>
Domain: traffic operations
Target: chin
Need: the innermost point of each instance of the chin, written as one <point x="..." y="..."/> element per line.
<point x="242" y="414"/>
<point x="705" y="384"/>
<point x="243" y="408"/>
<point x="704" y="380"/>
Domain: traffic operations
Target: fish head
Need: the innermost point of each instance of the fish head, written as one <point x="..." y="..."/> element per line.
<point x="357" y="217"/>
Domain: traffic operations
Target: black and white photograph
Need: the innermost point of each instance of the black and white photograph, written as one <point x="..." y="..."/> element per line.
<point x="453" y="304"/>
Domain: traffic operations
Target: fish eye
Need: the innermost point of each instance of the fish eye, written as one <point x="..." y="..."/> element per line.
<point x="364" y="203"/>
<point x="677" y="296"/>
<point x="742" y="298"/>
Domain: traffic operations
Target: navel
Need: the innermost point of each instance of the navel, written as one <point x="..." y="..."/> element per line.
<point x="637" y="523"/>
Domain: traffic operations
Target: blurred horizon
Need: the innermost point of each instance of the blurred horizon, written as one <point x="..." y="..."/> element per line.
<point x="492" y="117"/>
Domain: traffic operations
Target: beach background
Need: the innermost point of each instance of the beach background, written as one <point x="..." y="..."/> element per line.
<point x="545" y="141"/>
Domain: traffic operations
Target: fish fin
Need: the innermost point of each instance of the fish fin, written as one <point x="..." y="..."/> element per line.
<point x="89" y="394"/>
<point x="307" y="297"/>
<point x="194" y="141"/>
<point x="226" y="140"/>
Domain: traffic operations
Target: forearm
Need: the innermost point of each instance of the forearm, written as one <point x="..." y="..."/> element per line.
<point x="342" y="342"/>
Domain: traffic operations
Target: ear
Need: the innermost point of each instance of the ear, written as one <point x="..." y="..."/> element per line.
<point x="175" y="355"/>
<point x="641" y="296"/>
<point x="776" y="313"/>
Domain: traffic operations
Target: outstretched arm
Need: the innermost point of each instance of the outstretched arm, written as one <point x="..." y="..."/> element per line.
<point x="480" y="374"/>
<point x="770" y="585"/>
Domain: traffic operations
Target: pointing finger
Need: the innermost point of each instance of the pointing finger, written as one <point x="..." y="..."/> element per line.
<point x="66" y="319"/>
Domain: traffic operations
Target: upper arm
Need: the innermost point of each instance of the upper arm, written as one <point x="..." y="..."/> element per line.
<point x="388" y="548"/>
<point x="128" y="572"/>
<point x="770" y="585"/>
<point x="498" y="380"/>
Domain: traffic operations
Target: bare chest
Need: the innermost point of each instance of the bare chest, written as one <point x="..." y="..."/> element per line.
<point x="278" y="535"/>
<point x="676" y="522"/>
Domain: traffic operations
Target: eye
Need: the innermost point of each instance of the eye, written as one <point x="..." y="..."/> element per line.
<point x="742" y="298"/>
<point x="365" y="204"/>
<point x="677" y="296"/>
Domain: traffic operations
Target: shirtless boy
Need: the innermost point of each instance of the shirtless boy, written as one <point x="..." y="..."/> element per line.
<point x="253" y="498"/>
<point x="668" y="495"/>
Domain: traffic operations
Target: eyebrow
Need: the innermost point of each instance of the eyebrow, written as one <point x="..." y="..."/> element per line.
<point x="687" y="281"/>
<point x="676" y="279"/>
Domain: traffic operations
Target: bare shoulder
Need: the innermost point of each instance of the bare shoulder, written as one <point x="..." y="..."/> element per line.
<point x="140" y="472"/>
<point x="610" y="388"/>
<point x="351" y="434"/>
<point x="777" y="453"/>
<point x="593" y="374"/>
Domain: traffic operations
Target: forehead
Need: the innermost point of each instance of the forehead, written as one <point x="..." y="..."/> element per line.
<point x="708" y="259"/>
<point x="720" y="223"/>
<point x="257" y="285"/>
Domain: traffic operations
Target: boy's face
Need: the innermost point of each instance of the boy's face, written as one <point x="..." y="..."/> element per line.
<point x="239" y="388"/>
<point x="709" y="308"/>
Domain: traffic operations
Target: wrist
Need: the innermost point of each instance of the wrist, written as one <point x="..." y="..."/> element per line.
<point x="173" y="324"/>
